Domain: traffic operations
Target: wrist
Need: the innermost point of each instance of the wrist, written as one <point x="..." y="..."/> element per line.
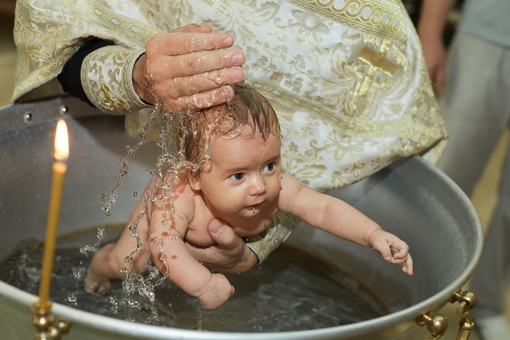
<point x="139" y="82"/>
<point x="250" y="257"/>
<point x="368" y="239"/>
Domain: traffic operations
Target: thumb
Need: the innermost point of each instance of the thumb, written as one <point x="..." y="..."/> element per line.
<point x="223" y="234"/>
<point x="378" y="241"/>
<point x="382" y="247"/>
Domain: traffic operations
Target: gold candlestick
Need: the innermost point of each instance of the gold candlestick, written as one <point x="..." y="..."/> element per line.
<point x="42" y="317"/>
<point x="59" y="172"/>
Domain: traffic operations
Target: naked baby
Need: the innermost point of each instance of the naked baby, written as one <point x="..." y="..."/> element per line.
<point x="237" y="178"/>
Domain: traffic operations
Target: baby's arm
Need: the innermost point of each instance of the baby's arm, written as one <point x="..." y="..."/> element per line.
<point x="342" y="220"/>
<point x="172" y="257"/>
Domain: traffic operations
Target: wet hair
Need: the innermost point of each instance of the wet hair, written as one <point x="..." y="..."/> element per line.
<point x="248" y="107"/>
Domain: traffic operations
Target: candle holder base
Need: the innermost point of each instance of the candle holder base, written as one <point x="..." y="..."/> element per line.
<point x="47" y="326"/>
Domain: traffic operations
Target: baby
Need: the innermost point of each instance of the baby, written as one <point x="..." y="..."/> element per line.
<point x="237" y="180"/>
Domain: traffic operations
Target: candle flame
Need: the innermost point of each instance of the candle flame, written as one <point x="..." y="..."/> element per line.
<point x="61" y="142"/>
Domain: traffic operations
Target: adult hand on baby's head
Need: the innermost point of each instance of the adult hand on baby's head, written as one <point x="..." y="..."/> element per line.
<point x="229" y="255"/>
<point x="189" y="68"/>
<point x="393" y="249"/>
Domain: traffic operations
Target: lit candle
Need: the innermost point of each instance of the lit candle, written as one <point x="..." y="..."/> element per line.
<point x="59" y="171"/>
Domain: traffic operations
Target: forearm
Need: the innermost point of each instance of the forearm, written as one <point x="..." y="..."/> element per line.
<point x="346" y="222"/>
<point x="433" y="17"/>
<point x="328" y="213"/>
<point x="181" y="267"/>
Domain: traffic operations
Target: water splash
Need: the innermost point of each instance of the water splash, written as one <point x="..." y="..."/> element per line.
<point x="170" y="166"/>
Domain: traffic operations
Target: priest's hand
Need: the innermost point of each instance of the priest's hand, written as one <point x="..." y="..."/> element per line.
<point x="229" y="255"/>
<point x="188" y="68"/>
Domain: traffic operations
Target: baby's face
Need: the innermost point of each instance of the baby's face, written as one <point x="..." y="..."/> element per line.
<point x="245" y="173"/>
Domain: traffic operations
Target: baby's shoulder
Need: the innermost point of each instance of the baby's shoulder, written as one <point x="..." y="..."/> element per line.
<point x="182" y="194"/>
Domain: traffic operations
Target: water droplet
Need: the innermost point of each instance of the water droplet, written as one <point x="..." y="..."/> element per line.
<point x="71" y="297"/>
<point x="78" y="273"/>
<point x="113" y="301"/>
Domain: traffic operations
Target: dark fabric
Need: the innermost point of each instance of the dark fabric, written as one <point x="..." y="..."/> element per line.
<point x="70" y="77"/>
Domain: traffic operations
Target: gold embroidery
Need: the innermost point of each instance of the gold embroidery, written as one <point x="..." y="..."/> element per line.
<point x="376" y="62"/>
<point x="109" y="102"/>
<point x="348" y="125"/>
<point x="380" y="17"/>
<point x="276" y="77"/>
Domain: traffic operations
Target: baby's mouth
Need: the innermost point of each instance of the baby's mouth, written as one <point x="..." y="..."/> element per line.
<point x="254" y="206"/>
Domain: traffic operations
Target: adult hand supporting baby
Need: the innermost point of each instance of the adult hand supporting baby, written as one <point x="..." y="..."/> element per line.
<point x="229" y="255"/>
<point x="188" y="68"/>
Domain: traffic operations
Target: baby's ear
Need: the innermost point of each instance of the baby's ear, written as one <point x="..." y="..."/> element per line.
<point x="193" y="179"/>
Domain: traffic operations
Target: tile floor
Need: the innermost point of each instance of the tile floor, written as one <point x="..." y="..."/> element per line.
<point x="484" y="196"/>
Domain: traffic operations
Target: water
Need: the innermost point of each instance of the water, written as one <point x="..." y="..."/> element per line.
<point x="291" y="290"/>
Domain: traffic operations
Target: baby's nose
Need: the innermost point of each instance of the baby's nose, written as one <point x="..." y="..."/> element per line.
<point x="258" y="186"/>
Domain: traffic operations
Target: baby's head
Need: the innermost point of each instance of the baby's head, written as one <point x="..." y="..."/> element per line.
<point x="248" y="107"/>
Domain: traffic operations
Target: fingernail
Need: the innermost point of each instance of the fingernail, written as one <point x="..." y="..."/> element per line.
<point x="236" y="75"/>
<point x="238" y="58"/>
<point x="216" y="227"/>
<point x="228" y="41"/>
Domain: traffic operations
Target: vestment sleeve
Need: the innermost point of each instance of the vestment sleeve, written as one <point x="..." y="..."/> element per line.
<point x="106" y="78"/>
<point x="70" y="77"/>
<point x="281" y="227"/>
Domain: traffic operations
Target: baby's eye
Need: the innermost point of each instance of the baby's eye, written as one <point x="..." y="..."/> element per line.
<point x="269" y="167"/>
<point x="237" y="177"/>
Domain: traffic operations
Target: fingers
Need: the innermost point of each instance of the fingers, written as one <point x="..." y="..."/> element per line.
<point x="393" y="249"/>
<point x="203" y="82"/>
<point x="224" y="236"/>
<point x="199" y="100"/>
<point x="194" y="28"/>
<point x="196" y="72"/>
<point x="184" y="42"/>
<point x="217" y="291"/>
<point x="407" y="266"/>
<point x="400" y="255"/>
<point x="200" y="62"/>
<point x="189" y="70"/>
<point x="168" y="58"/>
<point x="199" y="91"/>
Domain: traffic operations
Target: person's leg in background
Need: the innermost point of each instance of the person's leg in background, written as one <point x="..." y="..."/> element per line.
<point x="491" y="279"/>
<point x="476" y="107"/>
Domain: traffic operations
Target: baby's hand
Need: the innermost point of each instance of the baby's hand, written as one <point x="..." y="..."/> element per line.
<point x="393" y="249"/>
<point x="94" y="283"/>
<point x="216" y="292"/>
